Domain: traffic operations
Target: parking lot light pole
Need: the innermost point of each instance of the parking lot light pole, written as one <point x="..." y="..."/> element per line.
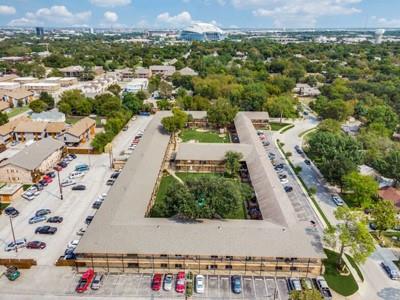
<point x="13" y="234"/>
<point x="60" y="186"/>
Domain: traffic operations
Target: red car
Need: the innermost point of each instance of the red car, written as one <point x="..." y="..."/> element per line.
<point x="85" y="281"/>
<point x="180" y="282"/>
<point x="156" y="282"/>
<point x="47" y="178"/>
<point x="36" y="245"/>
<point x="57" y="168"/>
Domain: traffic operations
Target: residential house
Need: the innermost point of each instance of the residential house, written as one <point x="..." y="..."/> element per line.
<point x="10" y="192"/>
<point x="142" y="73"/>
<point x="162" y="70"/>
<point x="28" y="165"/>
<point x="55" y="130"/>
<point x="72" y="71"/>
<point x="80" y="132"/>
<point x="305" y="90"/>
<point x="391" y="194"/>
<point x="30" y="130"/>
<point x="188" y="72"/>
<point x="17" y="97"/>
<point x="24" y="80"/>
<point x="7" y="130"/>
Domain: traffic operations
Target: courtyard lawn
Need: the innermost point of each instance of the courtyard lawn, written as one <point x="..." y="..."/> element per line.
<point x="166" y="181"/>
<point x="17" y="111"/>
<point x="203" y="137"/>
<point x="278" y="126"/>
<point x="344" y="285"/>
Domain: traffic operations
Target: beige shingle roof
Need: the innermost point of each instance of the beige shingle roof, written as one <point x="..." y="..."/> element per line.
<point x="9" y="127"/>
<point x="4" y="105"/>
<point x="81" y="126"/>
<point x="16" y="93"/>
<point x="30" y="126"/>
<point x="55" y="127"/>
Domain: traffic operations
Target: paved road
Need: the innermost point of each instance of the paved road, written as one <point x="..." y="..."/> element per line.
<point x="376" y="285"/>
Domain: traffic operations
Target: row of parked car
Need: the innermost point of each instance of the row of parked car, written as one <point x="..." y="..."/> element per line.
<point x="297" y="284"/>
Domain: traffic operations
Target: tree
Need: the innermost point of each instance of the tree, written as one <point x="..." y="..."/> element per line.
<point x="142" y="95"/>
<point x="106" y="104"/>
<point x="174" y="123"/>
<point x="351" y="234"/>
<point x="115" y="89"/>
<point x="384" y="215"/>
<point x="336" y="109"/>
<point x="38" y="106"/>
<point x="391" y="164"/>
<point x="282" y="106"/>
<point x="383" y="114"/>
<point x="334" y="154"/>
<point x="164" y="104"/>
<point x="165" y="89"/>
<point x="132" y="102"/>
<point x="55" y="73"/>
<point x="73" y="102"/>
<point x="3" y="118"/>
<point x="221" y="113"/>
<point x="330" y="125"/>
<point x="361" y="189"/>
<point x="312" y="294"/>
<point x="48" y="99"/>
<point x="232" y="163"/>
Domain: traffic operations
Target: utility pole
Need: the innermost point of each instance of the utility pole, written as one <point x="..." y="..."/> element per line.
<point x="13" y="234"/>
<point x="60" y="186"/>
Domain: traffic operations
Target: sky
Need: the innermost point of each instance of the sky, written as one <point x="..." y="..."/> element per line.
<point x="181" y="13"/>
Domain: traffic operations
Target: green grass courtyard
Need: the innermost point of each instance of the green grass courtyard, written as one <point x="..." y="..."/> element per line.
<point x="203" y="136"/>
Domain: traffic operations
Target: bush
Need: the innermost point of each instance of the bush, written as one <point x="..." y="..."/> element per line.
<point x="288" y="154"/>
<point x="312" y="190"/>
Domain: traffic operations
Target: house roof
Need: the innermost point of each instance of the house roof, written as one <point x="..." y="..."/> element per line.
<point x="33" y="155"/>
<point x="81" y="126"/>
<point x="4" y="105"/>
<point x="9" y="127"/>
<point x="18" y="93"/>
<point x="71" y="69"/>
<point x="55" y="127"/>
<point x="123" y="214"/>
<point x="188" y="72"/>
<point x="391" y="194"/>
<point x="31" y="126"/>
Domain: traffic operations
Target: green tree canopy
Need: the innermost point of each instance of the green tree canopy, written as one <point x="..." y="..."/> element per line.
<point x="360" y="189"/>
<point x="48" y="99"/>
<point x="115" y="89"/>
<point x="3" y="118"/>
<point x="37" y="106"/>
<point x="384" y="215"/>
<point x="232" y="163"/>
<point x="221" y="113"/>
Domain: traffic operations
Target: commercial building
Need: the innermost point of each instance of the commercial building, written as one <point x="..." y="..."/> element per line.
<point x="10" y="192"/>
<point x="80" y="132"/>
<point x="28" y="165"/>
<point x="136" y="85"/>
<point x="202" y="32"/>
<point x="39" y="31"/>
<point x="122" y="237"/>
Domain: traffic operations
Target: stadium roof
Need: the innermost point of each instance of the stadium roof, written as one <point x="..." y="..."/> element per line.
<point x="202" y="28"/>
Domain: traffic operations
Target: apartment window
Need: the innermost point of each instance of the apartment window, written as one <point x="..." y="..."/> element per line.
<point x="178" y="266"/>
<point x="214" y="256"/>
<point x="229" y="257"/>
<point x="278" y="268"/>
<point x="178" y="256"/>
<point x="228" y="267"/>
<point x="248" y="258"/>
<point x="212" y="267"/>
<point x="133" y="265"/>
<point x="163" y="255"/>
<point x="293" y="268"/>
<point x="164" y="266"/>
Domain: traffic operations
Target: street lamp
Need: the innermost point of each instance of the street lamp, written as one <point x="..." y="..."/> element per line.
<point x="13" y="234"/>
<point x="60" y="186"/>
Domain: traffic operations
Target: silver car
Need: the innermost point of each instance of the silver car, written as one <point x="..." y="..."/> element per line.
<point x="18" y="244"/>
<point x="97" y="281"/>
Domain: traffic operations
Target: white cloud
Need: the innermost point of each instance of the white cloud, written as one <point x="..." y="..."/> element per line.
<point x="110" y="16"/>
<point x="387" y="23"/>
<point x="182" y="19"/>
<point x="55" y="15"/>
<point x="302" y="13"/>
<point x="110" y="3"/>
<point x="7" y="10"/>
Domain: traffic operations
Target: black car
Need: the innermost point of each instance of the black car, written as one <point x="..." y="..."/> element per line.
<point x="55" y="219"/>
<point x="38" y="186"/>
<point x="89" y="219"/>
<point x="11" y="211"/>
<point x="298" y="149"/>
<point x="62" y="164"/>
<point x="46" y="230"/>
<point x="307" y="162"/>
<point x="72" y="155"/>
<point x="110" y="181"/>
<point x="97" y="204"/>
<point x="79" y="187"/>
<point x="42" y="212"/>
<point x="288" y="189"/>
<point x="115" y="175"/>
<point x="51" y="174"/>
<point x="43" y="182"/>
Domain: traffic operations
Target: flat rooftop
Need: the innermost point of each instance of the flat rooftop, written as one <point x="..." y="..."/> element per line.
<point x="120" y="225"/>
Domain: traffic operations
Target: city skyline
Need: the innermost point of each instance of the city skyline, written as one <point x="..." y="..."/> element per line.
<point x="181" y="13"/>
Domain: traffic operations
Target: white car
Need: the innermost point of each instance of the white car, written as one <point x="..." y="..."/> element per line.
<point x="73" y="244"/>
<point x="68" y="182"/>
<point x="167" y="284"/>
<point x="28" y="196"/>
<point x="76" y="174"/>
<point x="199" y="284"/>
<point x="81" y="231"/>
<point x="284" y="180"/>
<point x="18" y="244"/>
<point x="295" y="284"/>
<point x="337" y="200"/>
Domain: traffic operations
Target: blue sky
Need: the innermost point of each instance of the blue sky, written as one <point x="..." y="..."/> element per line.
<point x="179" y="13"/>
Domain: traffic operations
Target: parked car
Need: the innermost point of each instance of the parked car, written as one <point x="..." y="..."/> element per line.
<point x="72" y="155"/>
<point x="62" y="164"/>
<point x="288" y="189"/>
<point x="76" y="174"/>
<point x="11" y="211"/>
<point x="115" y="175"/>
<point x="73" y="244"/>
<point x="236" y="284"/>
<point x="97" y="281"/>
<point x="337" y="200"/>
<point x="36" y="245"/>
<point x="85" y="281"/>
<point x="180" y="282"/>
<point x="97" y="204"/>
<point x="37" y="219"/>
<point x="51" y="174"/>
<point x="55" y="219"/>
<point x="323" y="288"/>
<point x="391" y="269"/>
<point x="81" y="231"/>
<point x="28" y="196"/>
<point x="70" y="255"/>
<point x="295" y="284"/>
<point x="38" y="186"/>
<point x="156" y="282"/>
<point x="57" y="168"/>
<point x="167" y="284"/>
<point x="68" y="182"/>
<point x="48" y="179"/>
<point x="298" y="149"/>
<point x="307" y="162"/>
<point x="306" y="283"/>
<point x="79" y="187"/>
<point x="282" y="176"/>
<point x="284" y="180"/>
<point x="89" y="219"/>
<point x="42" y="212"/>
<point x="43" y="182"/>
<point x="46" y="230"/>
<point x="82" y="168"/>
<point x="12" y="273"/>
<point x="110" y="182"/>
<point x="199" y="284"/>
<point x="20" y="243"/>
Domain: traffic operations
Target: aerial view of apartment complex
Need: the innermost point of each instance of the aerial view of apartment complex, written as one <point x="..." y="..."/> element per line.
<point x="200" y="150"/>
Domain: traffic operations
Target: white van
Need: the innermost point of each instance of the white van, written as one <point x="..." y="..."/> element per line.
<point x="76" y="174"/>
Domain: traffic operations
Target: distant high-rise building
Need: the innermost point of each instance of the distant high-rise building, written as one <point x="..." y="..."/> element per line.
<point x="39" y="31"/>
<point x="379" y="35"/>
<point x="91" y="30"/>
